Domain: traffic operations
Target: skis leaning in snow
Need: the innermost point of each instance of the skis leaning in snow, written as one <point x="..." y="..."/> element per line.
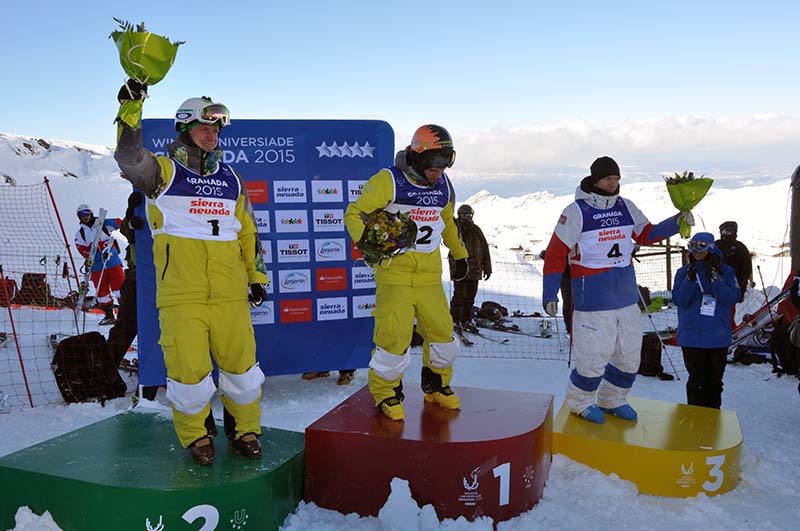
<point x="464" y="341"/>
<point x="474" y="331"/>
<point x="511" y="329"/>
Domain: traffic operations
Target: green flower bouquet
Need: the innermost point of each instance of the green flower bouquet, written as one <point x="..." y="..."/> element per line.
<point x="145" y="57"/>
<point x="686" y="191"/>
<point x="386" y="234"/>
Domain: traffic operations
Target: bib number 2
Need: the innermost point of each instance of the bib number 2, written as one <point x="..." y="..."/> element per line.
<point x="426" y="232"/>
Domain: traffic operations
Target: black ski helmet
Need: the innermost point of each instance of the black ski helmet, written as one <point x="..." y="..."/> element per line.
<point x="729" y="228"/>
<point x="465" y="211"/>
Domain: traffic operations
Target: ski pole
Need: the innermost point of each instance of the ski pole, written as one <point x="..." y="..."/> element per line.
<point x="773" y="356"/>
<point x="653" y="324"/>
<point x="766" y="297"/>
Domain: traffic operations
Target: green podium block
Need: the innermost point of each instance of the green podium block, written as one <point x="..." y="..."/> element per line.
<point x="130" y="473"/>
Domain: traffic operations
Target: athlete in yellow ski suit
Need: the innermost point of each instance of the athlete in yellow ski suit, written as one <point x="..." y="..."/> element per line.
<point x="206" y="253"/>
<point x="410" y="284"/>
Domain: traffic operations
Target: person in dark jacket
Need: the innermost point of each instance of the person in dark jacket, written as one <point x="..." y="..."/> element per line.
<point x="480" y="267"/>
<point x="736" y="254"/>
<point x="704" y="292"/>
<point x="122" y="334"/>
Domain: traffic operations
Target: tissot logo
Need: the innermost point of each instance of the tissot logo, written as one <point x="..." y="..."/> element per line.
<point x="290" y="191"/>
<point x="332" y="309"/>
<point x="292" y="251"/>
<point x="331" y="279"/>
<point x="326" y="192"/>
<point x="362" y="278"/>
<point x="363" y="305"/>
<point x="295" y="281"/>
<point x="264" y="314"/>
<point x="330" y="250"/>
<point x="262" y="220"/>
<point x="296" y="311"/>
<point x="328" y="220"/>
<point x="354" y="189"/>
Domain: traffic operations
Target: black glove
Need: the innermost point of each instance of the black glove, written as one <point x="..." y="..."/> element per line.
<point x="691" y="273"/>
<point x="486" y="275"/>
<point x="135" y="223"/>
<point x="258" y="294"/>
<point x="132" y="90"/>
<point x="460" y="269"/>
<point x="135" y="199"/>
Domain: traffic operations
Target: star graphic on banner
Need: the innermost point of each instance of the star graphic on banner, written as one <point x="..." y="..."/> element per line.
<point x="366" y="150"/>
<point x="323" y="150"/>
<point x="346" y="151"/>
<point x="334" y="149"/>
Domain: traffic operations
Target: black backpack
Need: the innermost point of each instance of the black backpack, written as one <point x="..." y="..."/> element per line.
<point x="492" y="311"/>
<point x="84" y="370"/>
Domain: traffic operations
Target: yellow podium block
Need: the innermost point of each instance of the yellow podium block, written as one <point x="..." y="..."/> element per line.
<point x="673" y="450"/>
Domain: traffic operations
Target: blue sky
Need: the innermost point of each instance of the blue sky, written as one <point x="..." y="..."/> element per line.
<point x="527" y="87"/>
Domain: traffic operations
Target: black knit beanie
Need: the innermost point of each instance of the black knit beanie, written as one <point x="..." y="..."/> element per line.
<point x="603" y="167"/>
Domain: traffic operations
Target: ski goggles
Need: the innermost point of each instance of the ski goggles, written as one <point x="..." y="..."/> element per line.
<point x="436" y="158"/>
<point x="698" y="246"/>
<point x="82" y="213"/>
<point x="214" y="113"/>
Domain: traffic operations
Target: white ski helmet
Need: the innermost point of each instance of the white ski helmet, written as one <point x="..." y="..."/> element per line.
<point x="201" y="110"/>
<point x="82" y="209"/>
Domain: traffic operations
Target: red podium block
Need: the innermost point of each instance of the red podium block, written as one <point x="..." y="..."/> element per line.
<point x="490" y="458"/>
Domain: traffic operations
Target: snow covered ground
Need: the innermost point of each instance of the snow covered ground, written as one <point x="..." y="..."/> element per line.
<point x="576" y="497"/>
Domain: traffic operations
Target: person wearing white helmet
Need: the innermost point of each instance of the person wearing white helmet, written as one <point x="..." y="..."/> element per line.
<point x="207" y="256"/>
<point x="107" y="274"/>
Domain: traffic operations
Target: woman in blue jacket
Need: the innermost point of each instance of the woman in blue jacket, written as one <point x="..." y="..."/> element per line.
<point x="705" y="291"/>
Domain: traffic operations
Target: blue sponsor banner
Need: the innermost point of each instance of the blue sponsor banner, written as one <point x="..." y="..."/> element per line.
<point x="300" y="176"/>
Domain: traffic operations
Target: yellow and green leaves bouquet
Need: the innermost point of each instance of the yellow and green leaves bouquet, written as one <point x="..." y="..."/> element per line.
<point x="145" y="57"/>
<point x="386" y="234"/>
<point x="686" y="191"/>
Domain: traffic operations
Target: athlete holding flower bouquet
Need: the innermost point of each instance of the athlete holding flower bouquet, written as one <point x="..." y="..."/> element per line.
<point x="409" y="284"/>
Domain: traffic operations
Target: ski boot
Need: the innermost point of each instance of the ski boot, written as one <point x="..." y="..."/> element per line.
<point x="437" y="393"/>
<point x="346" y="376"/>
<point x="202" y="450"/>
<point x="314" y="375"/>
<point x="392" y="407"/>
<point x="625" y="412"/>
<point x="593" y="414"/>
<point x="248" y="445"/>
<point x="109" y="318"/>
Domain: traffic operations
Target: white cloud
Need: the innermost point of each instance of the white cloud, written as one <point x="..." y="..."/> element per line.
<point x="731" y="145"/>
